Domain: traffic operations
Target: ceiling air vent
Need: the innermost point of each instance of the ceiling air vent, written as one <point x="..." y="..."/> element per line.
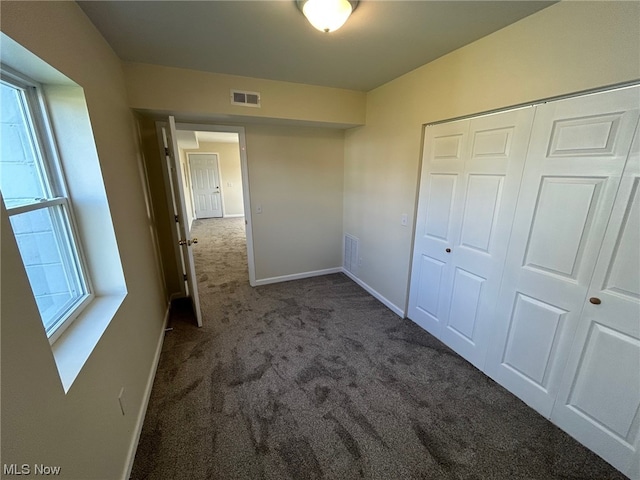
<point x="247" y="99"/>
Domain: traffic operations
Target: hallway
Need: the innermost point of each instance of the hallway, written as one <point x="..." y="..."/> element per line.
<point x="220" y="258"/>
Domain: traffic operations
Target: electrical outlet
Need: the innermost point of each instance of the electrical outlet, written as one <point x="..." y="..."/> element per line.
<point x="404" y="220"/>
<point x="121" y="401"/>
<point x="360" y="262"/>
<point x="229" y="184"/>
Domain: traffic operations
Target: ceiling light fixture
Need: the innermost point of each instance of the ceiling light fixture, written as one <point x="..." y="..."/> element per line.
<point x="327" y="15"/>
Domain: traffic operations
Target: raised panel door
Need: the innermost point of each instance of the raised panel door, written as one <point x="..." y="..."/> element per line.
<point x="486" y="201"/>
<point x="599" y="400"/>
<point x="577" y="153"/>
<point x="205" y="184"/>
<point x="443" y="164"/>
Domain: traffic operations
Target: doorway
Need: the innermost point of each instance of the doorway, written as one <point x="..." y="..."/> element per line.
<point x="211" y="164"/>
<point x="229" y="147"/>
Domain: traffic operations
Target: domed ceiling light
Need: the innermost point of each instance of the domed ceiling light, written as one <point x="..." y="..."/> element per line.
<point x="327" y="15"/>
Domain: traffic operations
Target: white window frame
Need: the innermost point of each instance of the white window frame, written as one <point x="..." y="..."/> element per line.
<point x="54" y="185"/>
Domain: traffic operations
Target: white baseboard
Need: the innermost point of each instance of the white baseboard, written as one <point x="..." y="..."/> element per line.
<point x="233" y="215"/>
<point x="145" y="399"/>
<point x="387" y="303"/>
<point x="297" y="276"/>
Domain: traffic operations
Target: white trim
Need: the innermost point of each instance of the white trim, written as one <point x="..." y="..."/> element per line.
<point x="234" y="215"/>
<point x="387" y="303"/>
<point x="37" y="204"/>
<point x="328" y="271"/>
<point x="298" y="276"/>
<point x="145" y="399"/>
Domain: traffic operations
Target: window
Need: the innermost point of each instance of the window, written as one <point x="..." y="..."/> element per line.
<point x="34" y="192"/>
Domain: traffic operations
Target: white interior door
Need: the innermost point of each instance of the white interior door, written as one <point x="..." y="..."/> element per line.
<point x="471" y="179"/>
<point x="599" y="401"/>
<point x="443" y="165"/>
<point x="177" y="196"/>
<point x="205" y="184"/>
<point x="497" y="146"/>
<point x="576" y="157"/>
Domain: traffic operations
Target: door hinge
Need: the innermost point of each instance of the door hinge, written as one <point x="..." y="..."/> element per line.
<point x="166" y="151"/>
<point x="176" y="218"/>
<point x="184" y="277"/>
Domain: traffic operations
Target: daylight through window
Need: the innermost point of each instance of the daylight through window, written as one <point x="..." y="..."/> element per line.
<point x="33" y="189"/>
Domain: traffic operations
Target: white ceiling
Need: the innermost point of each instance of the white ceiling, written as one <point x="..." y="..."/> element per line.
<point x="219" y="137"/>
<point x="271" y="39"/>
<point x="191" y="140"/>
<point x="187" y="140"/>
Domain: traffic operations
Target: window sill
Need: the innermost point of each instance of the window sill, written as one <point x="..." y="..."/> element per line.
<point x="72" y="350"/>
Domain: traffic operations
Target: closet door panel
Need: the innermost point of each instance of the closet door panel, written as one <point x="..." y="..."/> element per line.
<point x="482" y="202"/>
<point x="465" y="300"/>
<point x="487" y="197"/>
<point x="561" y="224"/>
<point x="431" y="277"/>
<point x="599" y="401"/>
<point x="532" y="342"/>
<point x="442" y="190"/>
<point x="577" y="153"/>
<point x="431" y="274"/>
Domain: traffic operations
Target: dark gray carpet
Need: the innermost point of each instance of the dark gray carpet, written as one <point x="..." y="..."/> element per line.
<point x="316" y="379"/>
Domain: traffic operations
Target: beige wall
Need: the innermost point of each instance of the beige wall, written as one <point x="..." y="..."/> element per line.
<point x="296" y="176"/>
<point x="152" y="87"/>
<point x="568" y="47"/>
<point x="82" y="431"/>
<point x="230" y="172"/>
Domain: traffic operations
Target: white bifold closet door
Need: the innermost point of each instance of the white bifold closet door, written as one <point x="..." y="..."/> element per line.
<point x="527" y="259"/>
<point x="471" y="176"/>
<point x="599" y="397"/>
<point x="578" y="150"/>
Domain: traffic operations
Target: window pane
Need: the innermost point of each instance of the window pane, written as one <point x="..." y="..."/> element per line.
<point x="21" y="180"/>
<point x="47" y="255"/>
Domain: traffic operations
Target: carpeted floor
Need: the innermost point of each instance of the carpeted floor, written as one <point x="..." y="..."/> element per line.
<point x="316" y="379"/>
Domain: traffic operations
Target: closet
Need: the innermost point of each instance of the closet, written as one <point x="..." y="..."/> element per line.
<point x="527" y="259"/>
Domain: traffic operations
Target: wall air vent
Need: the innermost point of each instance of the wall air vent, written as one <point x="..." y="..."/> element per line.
<point x="350" y="257"/>
<point x="246" y="99"/>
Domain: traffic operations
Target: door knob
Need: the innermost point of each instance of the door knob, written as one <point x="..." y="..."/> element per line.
<point x="187" y="242"/>
<point x="595" y="300"/>
<point x="448" y="250"/>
